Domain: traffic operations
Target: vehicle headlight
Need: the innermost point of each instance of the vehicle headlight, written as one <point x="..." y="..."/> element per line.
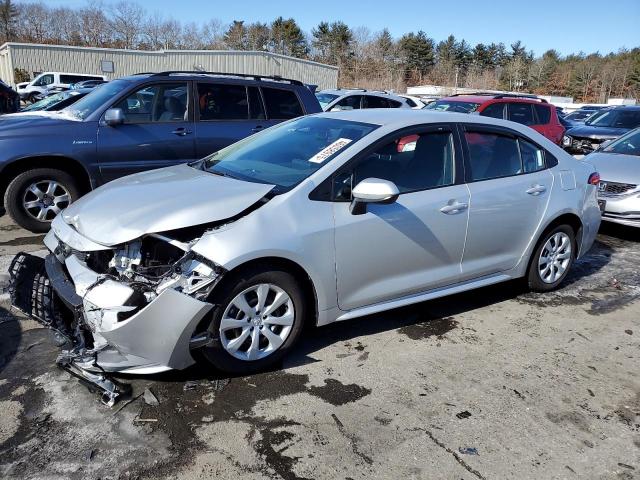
<point x="566" y="141"/>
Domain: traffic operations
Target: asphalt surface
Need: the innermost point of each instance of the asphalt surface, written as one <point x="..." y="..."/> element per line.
<point x="492" y="384"/>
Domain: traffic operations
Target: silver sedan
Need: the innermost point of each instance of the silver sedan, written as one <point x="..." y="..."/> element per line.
<point x="619" y="189"/>
<point x="321" y="219"/>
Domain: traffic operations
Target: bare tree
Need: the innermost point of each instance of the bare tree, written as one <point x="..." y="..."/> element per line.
<point x="127" y="19"/>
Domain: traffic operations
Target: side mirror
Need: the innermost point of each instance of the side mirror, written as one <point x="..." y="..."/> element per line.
<point x="372" y="190"/>
<point x="114" y="117"/>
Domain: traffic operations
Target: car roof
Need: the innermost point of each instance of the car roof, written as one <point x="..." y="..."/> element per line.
<point x="488" y="98"/>
<point x="360" y="91"/>
<point x="231" y="77"/>
<point x="408" y="117"/>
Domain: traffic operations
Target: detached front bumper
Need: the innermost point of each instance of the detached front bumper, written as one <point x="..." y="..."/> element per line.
<point x="155" y="339"/>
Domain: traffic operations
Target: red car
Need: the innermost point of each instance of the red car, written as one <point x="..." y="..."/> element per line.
<point x="527" y="110"/>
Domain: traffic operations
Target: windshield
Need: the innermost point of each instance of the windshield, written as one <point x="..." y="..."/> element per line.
<point x="287" y="153"/>
<point x="47" y="102"/>
<point x="615" y="118"/>
<point x="628" y="144"/>
<point x="89" y="104"/>
<point x="325" y="99"/>
<point x="451" y="106"/>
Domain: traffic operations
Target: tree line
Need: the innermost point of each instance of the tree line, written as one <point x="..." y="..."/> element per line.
<point x="366" y="59"/>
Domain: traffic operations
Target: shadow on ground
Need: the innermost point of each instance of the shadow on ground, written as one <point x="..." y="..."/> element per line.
<point x="10" y="337"/>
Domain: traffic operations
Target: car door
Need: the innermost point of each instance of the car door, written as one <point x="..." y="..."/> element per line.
<point x="413" y="244"/>
<point x="157" y="131"/>
<point x="226" y="113"/>
<point x="510" y="187"/>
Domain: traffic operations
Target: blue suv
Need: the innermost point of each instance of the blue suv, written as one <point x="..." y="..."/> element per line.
<point x="141" y="122"/>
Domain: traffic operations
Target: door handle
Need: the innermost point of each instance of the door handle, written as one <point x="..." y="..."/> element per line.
<point x="181" y="132"/>
<point x="257" y="128"/>
<point x="453" y="208"/>
<point x="537" y="189"/>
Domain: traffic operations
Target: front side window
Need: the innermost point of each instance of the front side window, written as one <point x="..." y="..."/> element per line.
<point x="492" y="156"/>
<point x="217" y="101"/>
<point x="44" y="80"/>
<point x="495" y="110"/>
<point x="288" y="153"/>
<point x="281" y="104"/>
<point x="352" y="102"/>
<point x="412" y="162"/>
<point x="163" y="102"/>
<point x="521" y="113"/>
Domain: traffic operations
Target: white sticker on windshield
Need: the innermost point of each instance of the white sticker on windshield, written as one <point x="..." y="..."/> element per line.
<point x="336" y="146"/>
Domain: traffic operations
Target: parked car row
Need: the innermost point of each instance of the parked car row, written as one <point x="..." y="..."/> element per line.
<point x="47" y="81"/>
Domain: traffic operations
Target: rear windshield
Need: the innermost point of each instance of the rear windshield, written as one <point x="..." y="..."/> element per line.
<point x="453" y="106"/>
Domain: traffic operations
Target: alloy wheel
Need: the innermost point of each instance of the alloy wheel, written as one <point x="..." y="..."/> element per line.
<point x="257" y="322"/>
<point x="555" y="257"/>
<point x="44" y="199"/>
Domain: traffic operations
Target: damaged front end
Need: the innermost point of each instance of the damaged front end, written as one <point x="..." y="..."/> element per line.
<point x="131" y="308"/>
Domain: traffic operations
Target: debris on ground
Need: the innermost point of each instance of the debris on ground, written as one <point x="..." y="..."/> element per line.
<point x="468" y="451"/>
<point x="89" y="455"/>
<point x="190" y="385"/>
<point x="629" y="332"/>
<point x="464" y="414"/>
<point x="150" y="398"/>
<point x="616" y="284"/>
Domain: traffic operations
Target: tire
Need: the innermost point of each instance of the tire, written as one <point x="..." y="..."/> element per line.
<point x="18" y="194"/>
<point x="218" y="353"/>
<point x="560" y="261"/>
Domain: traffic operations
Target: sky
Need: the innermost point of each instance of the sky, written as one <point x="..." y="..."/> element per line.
<point x="569" y="26"/>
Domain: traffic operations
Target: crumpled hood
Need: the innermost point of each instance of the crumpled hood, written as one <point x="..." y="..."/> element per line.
<point x="615" y="167"/>
<point x="157" y="201"/>
<point x="596" y="133"/>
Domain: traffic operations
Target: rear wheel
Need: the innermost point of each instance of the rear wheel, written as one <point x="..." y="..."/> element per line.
<point x="35" y="197"/>
<point x="257" y="319"/>
<point x="552" y="259"/>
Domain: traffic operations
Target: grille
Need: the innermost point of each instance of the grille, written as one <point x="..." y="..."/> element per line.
<point x="613" y="188"/>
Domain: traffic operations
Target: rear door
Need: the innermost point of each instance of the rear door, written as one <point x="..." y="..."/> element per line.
<point x="226" y="113"/>
<point x="510" y="187"/>
<point x="158" y="131"/>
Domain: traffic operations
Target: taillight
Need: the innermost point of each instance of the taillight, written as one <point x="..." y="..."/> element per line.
<point x="594" y="178"/>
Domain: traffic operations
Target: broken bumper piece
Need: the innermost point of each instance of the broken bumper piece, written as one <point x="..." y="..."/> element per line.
<point x="107" y="331"/>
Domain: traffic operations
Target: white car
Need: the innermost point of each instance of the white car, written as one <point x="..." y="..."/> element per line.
<point x="414" y="102"/>
<point x="48" y="80"/>
<point x="354" y="99"/>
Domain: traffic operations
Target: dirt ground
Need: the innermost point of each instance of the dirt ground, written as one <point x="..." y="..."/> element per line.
<point x="492" y="384"/>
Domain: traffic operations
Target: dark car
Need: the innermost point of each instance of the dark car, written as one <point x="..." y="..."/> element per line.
<point x="140" y="122"/>
<point x="9" y="99"/>
<point x="57" y="101"/>
<point x="525" y="109"/>
<point x="606" y="124"/>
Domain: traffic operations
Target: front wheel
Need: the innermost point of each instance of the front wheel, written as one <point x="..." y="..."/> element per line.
<point x="36" y="196"/>
<point x="257" y="319"/>
<point x="552" y="259"/>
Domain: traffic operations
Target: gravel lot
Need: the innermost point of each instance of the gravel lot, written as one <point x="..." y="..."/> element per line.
<point x="496" y="383"/>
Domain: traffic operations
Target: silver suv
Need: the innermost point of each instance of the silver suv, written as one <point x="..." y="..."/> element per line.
<point x="320" y="219"/>
<point x="357" y="98"/>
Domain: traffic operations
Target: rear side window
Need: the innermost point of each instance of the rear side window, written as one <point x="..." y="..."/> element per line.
<point x="532" y="156"/>
<point x="222" y="102"/>
<point x="495" y="110"/>
<point x="410" y="102"/>
<point x="281" y="104"/>
<point x="492" y="155"/>
<point x="544" y="113"/>
<point x="521" y="113"/>
<point x="375" y="102"/>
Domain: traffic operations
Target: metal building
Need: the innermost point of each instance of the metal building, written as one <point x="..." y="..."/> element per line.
<point x="116" y="63"/>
